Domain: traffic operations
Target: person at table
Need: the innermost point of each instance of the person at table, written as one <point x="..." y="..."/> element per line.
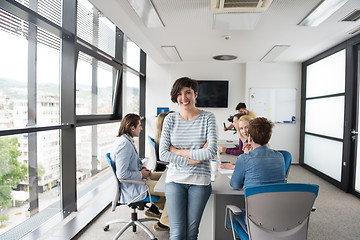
<point x="130" y="167"/>
<point x="188" y="142"/>
<point x="261" y="165"/>
<point x="241" y="126"/>
<point x="241" y="108"/>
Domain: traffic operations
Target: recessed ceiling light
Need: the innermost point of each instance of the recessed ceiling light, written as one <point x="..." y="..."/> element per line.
<point x="172" y="53"/>
<point x="147" y="12"/>
<point x="321" y="12"/>
<point x="225" y="57"/>
<point x="274" y="53"/>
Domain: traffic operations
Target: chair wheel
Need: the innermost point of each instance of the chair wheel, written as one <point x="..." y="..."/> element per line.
<point x="106" y="228"/>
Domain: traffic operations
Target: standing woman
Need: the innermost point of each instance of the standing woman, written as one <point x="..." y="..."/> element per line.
<point x="188" y="141"/>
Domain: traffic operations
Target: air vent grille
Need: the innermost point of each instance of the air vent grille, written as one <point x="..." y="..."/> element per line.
<point x="240" y="5"/>
<point x="352" y="17"/>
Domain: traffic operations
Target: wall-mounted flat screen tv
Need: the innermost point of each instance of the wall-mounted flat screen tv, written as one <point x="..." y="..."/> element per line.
<point x="213" y="94"/>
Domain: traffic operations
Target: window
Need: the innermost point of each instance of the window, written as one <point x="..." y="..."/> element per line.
<point x="324" y="116"/>
<point x="32" y="110"/>
<point x="95" y="28"/>
<point x="94" y="86"/>
<point x="92" y="144"/>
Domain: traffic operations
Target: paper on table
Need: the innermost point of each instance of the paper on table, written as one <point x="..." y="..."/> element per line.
<point x="226" y="171"/>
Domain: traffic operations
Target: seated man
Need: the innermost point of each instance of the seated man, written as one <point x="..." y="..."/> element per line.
<point x="242" y="110"/>
<point x="260" y="166"/>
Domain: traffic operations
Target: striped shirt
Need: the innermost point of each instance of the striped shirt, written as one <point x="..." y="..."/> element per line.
<point x="190" y="135"/>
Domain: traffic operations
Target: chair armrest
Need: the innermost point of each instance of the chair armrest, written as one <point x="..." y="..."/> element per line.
<point x="230" y="211"/>
<point x="162" y="162"/>
<point x="234" y="209"/>
<point x="132" y="181"/>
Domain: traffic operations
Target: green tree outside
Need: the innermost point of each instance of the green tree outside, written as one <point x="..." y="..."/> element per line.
<point x="11" y="171"/>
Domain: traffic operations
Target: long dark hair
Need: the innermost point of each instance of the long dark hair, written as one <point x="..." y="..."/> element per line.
<point x="130" y="120"/>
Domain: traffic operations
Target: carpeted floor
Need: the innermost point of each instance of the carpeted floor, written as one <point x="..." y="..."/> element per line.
<point x="337" y="215"/>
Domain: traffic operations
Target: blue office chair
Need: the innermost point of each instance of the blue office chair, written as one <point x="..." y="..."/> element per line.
<point x="288" y="158"/>
<point x="134" y="204"/>
<point x="274" y="211"/>
<point x="160" y="165"/>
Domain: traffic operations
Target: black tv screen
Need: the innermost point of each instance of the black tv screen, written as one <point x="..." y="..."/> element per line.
<point x="213" y="94"/>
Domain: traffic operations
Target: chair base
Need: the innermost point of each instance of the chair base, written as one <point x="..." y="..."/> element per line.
<point x="133" y="223"/>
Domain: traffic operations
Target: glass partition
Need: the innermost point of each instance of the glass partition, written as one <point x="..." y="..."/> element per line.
<point x="327" y="76"/>
<point x="324" y="155"/>
<point x="322" y="116"/>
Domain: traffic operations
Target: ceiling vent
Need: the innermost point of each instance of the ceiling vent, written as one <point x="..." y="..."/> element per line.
<point x="222" y="6"/>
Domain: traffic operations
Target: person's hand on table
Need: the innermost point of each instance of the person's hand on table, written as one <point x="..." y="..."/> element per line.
<point x="227" y="166"/>
<point x="222" y="149"/>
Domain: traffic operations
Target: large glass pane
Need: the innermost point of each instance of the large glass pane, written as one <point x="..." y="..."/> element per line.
<point x="131" y="96"/>
<point x="13" y="83"/>
<point x="324" y="155"/>
<point x="14" y="75"/>
<point x="94" y="28"/>
<point x="15" y="157"/>
<point x="132" y="54"/>
<point x="92" y="143"/>
<point x="325" y="116"/>
<point x="326" y="76"/>
<point x="14" y="194"/>
<point x="48" y="79"/>
<point x="106" y="35"/>
<point x="91" y="71"/>
<point x="50" y="9"/>
<point x="84" y="23"/>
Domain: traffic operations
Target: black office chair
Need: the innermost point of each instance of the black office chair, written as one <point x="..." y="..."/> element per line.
<point x="134" y="204"/>
<point x="160" y="165"/>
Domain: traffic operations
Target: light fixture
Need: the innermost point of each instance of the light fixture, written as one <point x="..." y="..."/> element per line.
<point x="172" y="53"/>
<point x="225" y="57"/>
<point x="146" y="10"/>
<point x="321" y="12"/>
<point x="274" y="53"/>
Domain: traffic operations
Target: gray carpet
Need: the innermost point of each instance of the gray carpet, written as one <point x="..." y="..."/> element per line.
<point x="337" y="214"/>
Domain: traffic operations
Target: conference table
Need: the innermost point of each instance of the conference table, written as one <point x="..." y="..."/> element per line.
<point x="212" y="222"/>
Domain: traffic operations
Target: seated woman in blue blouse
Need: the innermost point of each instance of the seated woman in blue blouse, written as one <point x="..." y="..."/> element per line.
<point x="260" y="166"/>
<point x="129" y="167"/>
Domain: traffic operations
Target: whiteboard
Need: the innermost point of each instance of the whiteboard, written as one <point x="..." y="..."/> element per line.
<point x="276" y="104"/>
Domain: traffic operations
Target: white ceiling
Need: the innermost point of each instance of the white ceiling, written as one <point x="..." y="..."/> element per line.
<point x="188" y="26"/>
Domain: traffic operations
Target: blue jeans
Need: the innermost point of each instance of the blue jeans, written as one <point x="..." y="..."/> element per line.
<point x="186" y="204"/>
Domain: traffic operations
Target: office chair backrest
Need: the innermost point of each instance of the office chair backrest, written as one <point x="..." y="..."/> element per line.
<point x="160" y="165"/>
<point x="288" y="158"/>
<point x="279" y="211"/>
<point x="152" y="141"/>
<point x="116" y="183"/>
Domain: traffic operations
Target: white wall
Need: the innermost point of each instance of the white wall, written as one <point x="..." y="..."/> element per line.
<point x="241" y="77"/>
<point x="279" y="75"/>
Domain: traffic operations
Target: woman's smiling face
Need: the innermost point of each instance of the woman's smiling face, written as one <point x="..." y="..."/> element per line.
<point x="186" y="98"/>
<point x="244" y="128"/>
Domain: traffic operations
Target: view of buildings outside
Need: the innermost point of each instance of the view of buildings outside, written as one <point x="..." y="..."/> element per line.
<point x="14" y="109"/>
